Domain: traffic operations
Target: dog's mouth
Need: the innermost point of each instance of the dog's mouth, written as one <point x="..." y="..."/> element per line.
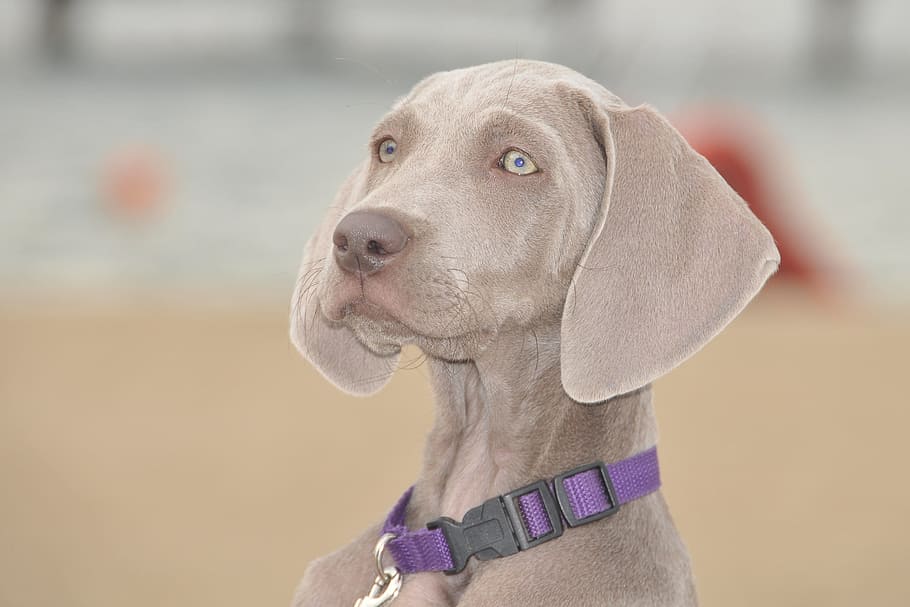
<point x="368" y="316"/>
<point x="386" y="315"/>
<point x="347" y="307"/>
<point x="367" y="309"/>
<point x="385" y="330"/>
<point x="376" y="326"/>
<point x="383" y="304"/>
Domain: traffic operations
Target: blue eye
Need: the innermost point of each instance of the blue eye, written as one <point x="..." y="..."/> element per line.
<point x="387" y="149"/>
<point x="517" y="162"/>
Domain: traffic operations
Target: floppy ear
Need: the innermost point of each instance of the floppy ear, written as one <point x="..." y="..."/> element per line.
<point x="675" y="256"/>
<point x="331" y="347"/>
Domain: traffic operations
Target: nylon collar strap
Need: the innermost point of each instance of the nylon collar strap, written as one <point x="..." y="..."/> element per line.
<point x="523" y="518"/>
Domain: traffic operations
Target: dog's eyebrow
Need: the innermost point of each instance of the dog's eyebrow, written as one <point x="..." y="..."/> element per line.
<point x="507" y="124"/>
<point x="396" y="121"/>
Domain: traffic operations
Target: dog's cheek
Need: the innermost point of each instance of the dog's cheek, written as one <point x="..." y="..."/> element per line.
<point x="331" y="295"/>
<point x="523" y="310"/>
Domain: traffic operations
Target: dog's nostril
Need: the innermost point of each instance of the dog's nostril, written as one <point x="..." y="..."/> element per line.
<point x="341" y="241"/>
<point x="375" y="248"/>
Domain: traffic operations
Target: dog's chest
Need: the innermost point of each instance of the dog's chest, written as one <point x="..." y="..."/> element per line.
<point x="425" y="590"/>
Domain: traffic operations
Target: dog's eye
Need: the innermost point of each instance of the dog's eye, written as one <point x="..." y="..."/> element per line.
<point x="517" y="162"/>
<point x="387" y="148"/>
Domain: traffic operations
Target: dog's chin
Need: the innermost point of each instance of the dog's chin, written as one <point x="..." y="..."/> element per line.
<point x="384" y="332"/>
<point x="377" y="328"/>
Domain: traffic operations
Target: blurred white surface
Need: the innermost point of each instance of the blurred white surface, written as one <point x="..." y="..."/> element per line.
<point x="257" y="110"/>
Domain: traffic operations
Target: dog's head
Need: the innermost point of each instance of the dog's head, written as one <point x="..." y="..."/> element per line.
<point x="517" y="193"/>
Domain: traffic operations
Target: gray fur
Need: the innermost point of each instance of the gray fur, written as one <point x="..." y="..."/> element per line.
<point x="531" y="295"/>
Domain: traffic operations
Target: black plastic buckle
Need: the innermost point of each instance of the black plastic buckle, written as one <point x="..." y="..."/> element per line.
<point x="485" y="531"/>
<point x="566" y="506"/>
<point x="525" y="541"/>
<point x="496" y="528"/>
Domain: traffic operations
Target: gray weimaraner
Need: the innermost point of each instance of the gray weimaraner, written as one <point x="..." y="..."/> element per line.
<point x="552" y="251"/>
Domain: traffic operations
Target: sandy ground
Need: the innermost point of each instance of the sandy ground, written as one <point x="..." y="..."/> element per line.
<point x="165" y="453"/>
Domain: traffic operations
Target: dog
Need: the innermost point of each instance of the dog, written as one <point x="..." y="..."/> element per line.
<point x="552" y="251"/>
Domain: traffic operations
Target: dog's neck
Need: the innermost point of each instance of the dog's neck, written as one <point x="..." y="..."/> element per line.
<point x="503" y="420"/>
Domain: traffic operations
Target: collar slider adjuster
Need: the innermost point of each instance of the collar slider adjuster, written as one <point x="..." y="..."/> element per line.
<point x="583" y="513"/>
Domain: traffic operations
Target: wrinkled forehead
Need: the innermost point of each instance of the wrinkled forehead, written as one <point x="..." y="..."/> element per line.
<point x="480" y="86"/>
<point x="541" y="92"/>
<point x="524" y="88"/>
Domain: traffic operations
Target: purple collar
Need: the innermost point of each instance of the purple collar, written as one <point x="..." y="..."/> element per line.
<point x="520" y="519"/>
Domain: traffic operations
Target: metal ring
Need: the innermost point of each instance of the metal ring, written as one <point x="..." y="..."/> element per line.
<point x="377" y="552"/>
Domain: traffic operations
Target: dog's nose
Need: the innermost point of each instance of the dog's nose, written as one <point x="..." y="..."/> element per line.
<point x="367" y="241"/>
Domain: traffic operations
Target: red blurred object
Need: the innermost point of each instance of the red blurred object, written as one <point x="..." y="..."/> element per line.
<point x="134" y="182"/>
<point x="750" y="161"/>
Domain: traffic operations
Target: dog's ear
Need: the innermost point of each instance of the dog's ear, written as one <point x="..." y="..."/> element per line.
<point x="332" y="348"/>
<point x="675" y="255"/>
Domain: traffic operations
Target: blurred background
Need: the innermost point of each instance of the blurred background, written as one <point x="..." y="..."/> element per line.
<point x="162" y="164"/>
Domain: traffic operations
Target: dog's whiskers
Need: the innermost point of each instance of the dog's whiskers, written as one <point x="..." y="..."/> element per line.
<point x="306" y="286"/>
